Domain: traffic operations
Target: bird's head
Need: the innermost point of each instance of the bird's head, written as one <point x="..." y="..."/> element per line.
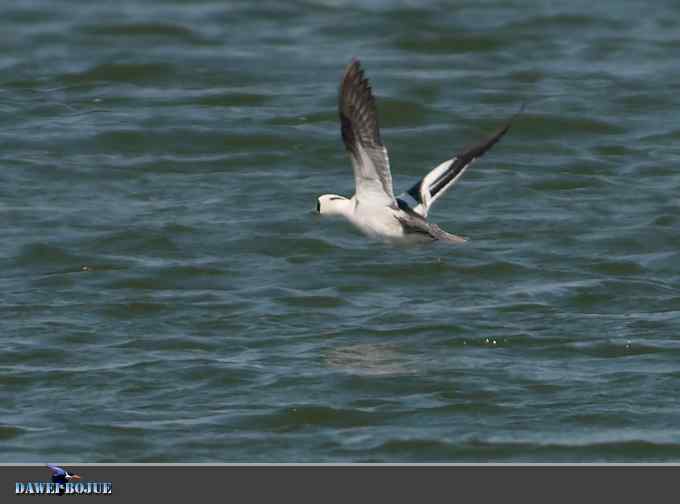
<point x="332" y="204"/>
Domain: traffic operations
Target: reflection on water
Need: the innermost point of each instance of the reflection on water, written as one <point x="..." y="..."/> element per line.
<point x="369" y="359"/>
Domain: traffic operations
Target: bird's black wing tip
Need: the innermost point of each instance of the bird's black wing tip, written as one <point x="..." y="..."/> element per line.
<point x="479" y="149"/>
<point x="354" y="66"/>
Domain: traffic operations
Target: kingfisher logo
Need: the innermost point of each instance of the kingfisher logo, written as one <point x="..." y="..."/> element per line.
<point x="63" y="482"/>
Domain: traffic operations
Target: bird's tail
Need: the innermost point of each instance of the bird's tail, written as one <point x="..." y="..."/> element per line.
<point x="442" y="235"/>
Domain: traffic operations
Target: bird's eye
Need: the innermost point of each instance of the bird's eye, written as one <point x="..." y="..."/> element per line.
<point x="334" y="198"/>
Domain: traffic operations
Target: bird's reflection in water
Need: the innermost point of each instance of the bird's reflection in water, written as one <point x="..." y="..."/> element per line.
<point x="369" y="359"/>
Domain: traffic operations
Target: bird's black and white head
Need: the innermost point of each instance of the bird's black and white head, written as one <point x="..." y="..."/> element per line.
<point x="333" y="204"/>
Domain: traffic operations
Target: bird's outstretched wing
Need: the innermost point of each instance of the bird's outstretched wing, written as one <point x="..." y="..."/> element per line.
<point x="432" y="186"/>
<point x="361" y="134"/>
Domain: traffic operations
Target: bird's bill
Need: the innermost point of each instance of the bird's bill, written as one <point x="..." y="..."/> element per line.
<point x="75" y="477"/>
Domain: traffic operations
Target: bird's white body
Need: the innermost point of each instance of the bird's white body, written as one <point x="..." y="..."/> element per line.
<point x="375" y="221"/>
<point x="374" y="209"/>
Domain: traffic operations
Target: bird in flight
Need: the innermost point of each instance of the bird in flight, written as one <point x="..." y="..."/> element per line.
<point x="61" y="476"/>
<point x="374" y="209"/>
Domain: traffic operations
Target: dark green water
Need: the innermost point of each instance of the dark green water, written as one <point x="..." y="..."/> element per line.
<point x="167" y="294"/>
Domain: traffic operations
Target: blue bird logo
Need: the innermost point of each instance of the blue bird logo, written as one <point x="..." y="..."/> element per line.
<point x="61" y="476"/>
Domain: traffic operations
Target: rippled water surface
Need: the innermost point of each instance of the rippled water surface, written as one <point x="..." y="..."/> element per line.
<point x="168" y="294"/>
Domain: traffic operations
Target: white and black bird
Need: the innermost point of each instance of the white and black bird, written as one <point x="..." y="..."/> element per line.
<point x="374" y="209"/>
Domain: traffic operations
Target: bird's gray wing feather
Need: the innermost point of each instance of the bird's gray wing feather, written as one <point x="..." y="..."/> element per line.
<point x="361" y="135"/>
